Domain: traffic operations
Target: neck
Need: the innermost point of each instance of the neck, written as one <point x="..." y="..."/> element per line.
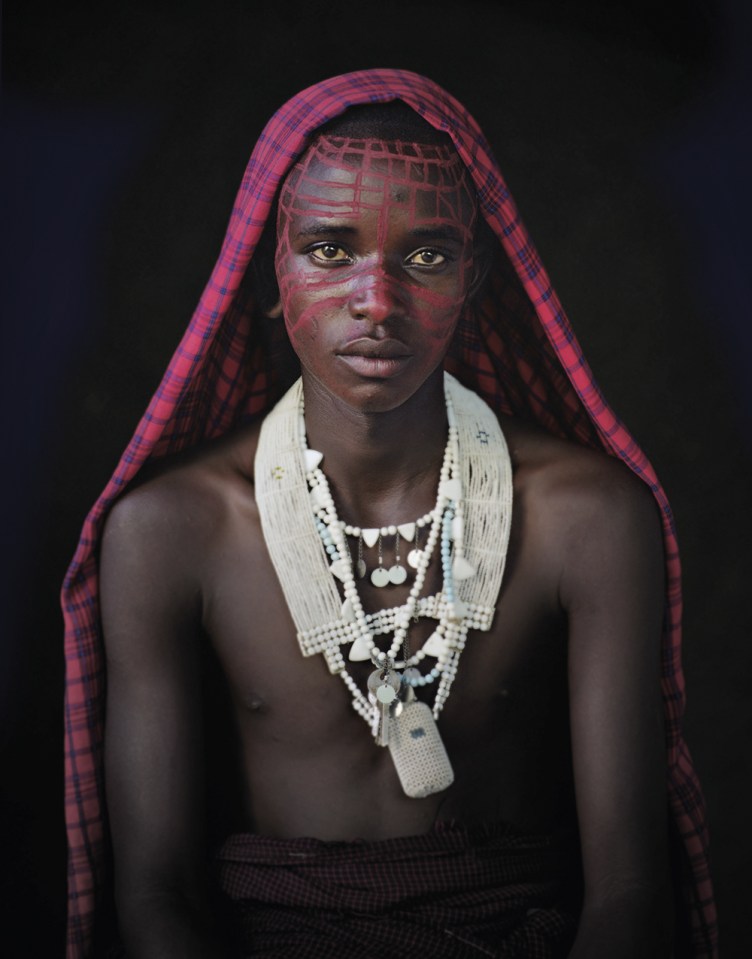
<point x="382" y="467"/>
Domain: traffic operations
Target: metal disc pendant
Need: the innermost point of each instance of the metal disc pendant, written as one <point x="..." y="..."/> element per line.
<point x="397" y="574"/>
<point x="377" y="681"/>
<point x="380" y="576"/>
<point x="385" y="694"/>
<point x="360" y="568"/>
<point x="414" y="557"/>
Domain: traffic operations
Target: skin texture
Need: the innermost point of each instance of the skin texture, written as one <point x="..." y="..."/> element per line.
<point x="554" y="721"/>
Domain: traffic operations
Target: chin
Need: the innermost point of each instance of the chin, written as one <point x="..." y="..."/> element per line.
<point x="373" y="394"/>
<point x="378" y="397"/>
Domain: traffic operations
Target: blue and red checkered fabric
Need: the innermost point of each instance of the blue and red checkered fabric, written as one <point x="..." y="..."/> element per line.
<point x="518" y="351"/>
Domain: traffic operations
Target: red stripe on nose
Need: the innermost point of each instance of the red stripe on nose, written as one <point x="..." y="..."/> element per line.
<point x="376" y="297"/>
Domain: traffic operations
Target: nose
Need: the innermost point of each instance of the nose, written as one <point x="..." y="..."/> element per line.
<point x="376" y="296"/>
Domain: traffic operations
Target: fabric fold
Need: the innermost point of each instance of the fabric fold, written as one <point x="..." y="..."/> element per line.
<point x="454" y="892"/>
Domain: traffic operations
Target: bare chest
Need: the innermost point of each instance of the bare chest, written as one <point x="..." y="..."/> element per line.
<point x="504" y="723"/>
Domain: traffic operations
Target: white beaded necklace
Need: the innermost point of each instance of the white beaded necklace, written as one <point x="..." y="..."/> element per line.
<point x="332" y="530"/>
<point x="471" y="520"/>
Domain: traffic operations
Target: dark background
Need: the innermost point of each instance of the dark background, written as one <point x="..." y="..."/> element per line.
<point x="623" y="130"/>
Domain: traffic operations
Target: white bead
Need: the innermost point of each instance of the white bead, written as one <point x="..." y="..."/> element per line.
<point x="458" y="527"/>
<point x="318" y="495"/>
<point x="340" y="568"/>
<point x="370" y="536"/>
<point x="434" y="645"/>
<point x="312" y="459"/>
<point x="462" y="568"/>
<point x="360" y="650"/>
<point x="407" y="531"/>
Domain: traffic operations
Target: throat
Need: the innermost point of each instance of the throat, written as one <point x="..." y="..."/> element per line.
<point x="383" y="468"/>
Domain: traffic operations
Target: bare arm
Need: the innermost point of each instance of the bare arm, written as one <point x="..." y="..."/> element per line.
<point x="612" y="591"/>
<point x="153" y="750"/>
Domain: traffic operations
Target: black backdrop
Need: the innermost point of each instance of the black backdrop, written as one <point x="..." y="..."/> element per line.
<point x="624" y="134"/>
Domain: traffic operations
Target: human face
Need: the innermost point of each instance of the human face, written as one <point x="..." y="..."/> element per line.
<point x="374" y="264"/>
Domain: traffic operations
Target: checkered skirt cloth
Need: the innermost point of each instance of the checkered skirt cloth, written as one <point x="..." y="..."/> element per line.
<point x="454" y="893"/>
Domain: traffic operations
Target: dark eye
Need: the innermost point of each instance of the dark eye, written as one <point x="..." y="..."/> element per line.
<point x="426" y="258"/>
<point x="330" y="253"/>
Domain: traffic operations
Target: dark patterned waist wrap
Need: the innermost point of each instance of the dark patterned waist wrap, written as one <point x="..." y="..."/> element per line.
<point x="454" y="892"/>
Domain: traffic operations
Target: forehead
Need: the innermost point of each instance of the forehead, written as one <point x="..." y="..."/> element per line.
<point x="344" y="176"/>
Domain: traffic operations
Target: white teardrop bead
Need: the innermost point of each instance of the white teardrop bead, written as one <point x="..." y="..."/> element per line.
<point x="434" y="645"/>
<point x="458" y="528"/>
<point x="370" y="536"/>
<point x="312" y="459"/>
<point x="407" y="531"/>
<point x="359" y="651"/>
<point x="462" y="569"/>
<point x="348" y="613"/>
<point x="339" y="569"/>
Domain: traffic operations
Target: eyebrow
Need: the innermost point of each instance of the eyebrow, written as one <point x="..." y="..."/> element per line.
<point x="323" y="228"/>
<point x="437" y="233"/>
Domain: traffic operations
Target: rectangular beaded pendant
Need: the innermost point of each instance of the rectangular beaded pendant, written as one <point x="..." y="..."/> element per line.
<point x="418" y="752"/>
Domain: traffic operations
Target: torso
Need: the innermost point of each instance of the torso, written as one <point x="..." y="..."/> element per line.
<point x="306" y="762"/>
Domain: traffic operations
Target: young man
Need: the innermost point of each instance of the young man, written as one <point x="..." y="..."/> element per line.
<point x="494" y="600"/>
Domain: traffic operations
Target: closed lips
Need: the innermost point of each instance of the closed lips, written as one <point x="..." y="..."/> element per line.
<point x="376" y="349"/>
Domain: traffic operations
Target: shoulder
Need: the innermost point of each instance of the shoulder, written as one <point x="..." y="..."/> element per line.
<point x="582" y="504"/>
<point x="184" y="500"/>
<point x="559" y="474"/>
<point x="160" y="542"/>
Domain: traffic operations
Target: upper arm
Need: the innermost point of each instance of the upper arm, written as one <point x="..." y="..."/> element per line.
<point x="150" y="604"/>
<point x="612" y="588"/>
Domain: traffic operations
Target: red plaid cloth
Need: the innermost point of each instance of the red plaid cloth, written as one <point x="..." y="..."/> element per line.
<point x="518" y="352"/>
<point x="455" y="893"/>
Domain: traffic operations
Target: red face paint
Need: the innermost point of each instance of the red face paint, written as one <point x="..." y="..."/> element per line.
<point x="374" y="261"/>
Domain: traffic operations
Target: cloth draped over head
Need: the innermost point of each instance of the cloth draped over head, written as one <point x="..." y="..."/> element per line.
<point x="515" y="348"/>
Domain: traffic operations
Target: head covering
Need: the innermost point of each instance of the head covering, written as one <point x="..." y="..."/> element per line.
<point x="516" y="349"/>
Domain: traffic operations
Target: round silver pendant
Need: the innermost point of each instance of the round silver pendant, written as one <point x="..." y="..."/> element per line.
<point x="378" y="680"/>
<point x="380" y="576"/>
<point x="414" y="557"/>
<point x="360" y="568"/>
<point x="397" y="574"/>
<point x="385" y="694"/>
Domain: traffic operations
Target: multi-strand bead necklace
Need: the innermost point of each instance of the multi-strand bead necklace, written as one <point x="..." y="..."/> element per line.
<point x="468" y="527"/>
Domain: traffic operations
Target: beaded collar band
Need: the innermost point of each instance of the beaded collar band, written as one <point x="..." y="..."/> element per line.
<point x="308" y="547"/>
